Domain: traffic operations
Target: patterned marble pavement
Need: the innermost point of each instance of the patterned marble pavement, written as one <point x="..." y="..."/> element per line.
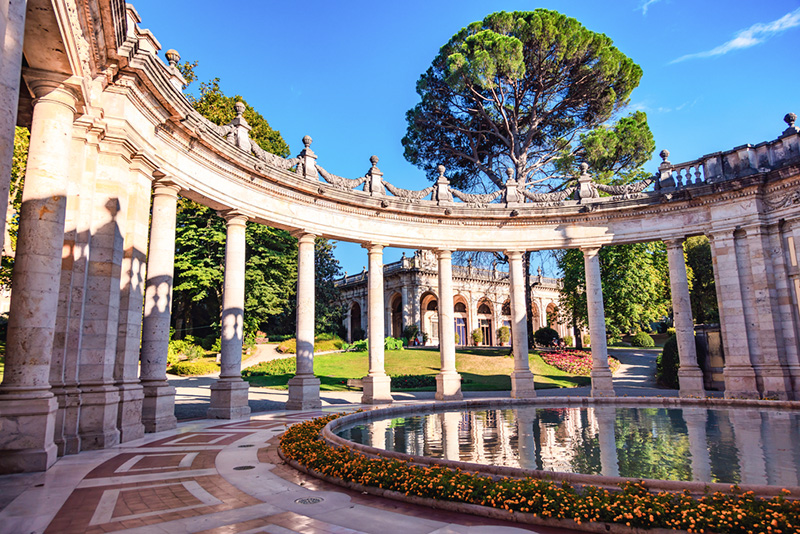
<point x="211" y="477"/>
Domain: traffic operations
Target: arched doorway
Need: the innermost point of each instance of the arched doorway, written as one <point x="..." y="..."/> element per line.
<point x="396" y="304"/>
<point x="552" y="317"/>
<point x="485" y="322"/>
<point x="429" y="304"/>
<point x="355" y="330"/>
<point x="460" y="318"/>
<point x="536" y="320"/>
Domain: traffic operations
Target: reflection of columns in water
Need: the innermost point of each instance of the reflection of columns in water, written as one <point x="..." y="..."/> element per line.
<point x="450" y="422"/>
<point x="526" y="442"/>
<point x="504" y="439"/>
<point x="606" y="427"/>
<point x="696" y="419"/>
<point x="747" y="433"/>
<point x="782" y="429"/>
<point x="377" y="433"/>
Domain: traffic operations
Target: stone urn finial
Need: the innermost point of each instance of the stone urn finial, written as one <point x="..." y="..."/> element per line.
<point x="664" y="155"/>
<point x="307" y="141"/>
<point x="440" y="169"/>
<point x="239" y="107"/>
<point x="789" y="119"/>
<point x="374" y="160"/>
<point x="584" y="167"/>
<point x="173" y="57"/>
<point x="510" y="172"/>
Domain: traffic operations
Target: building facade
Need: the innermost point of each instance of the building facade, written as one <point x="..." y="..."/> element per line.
<point x="481" y="301"/>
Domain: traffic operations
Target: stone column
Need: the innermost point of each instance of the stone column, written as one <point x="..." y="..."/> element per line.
<point x="304" y="386"/>
<point x="740" y="378"/>
<point x="448" y="381"/>
<point x="783" y="286"/>
<point x="11" y="61"/>
<point x="229" y="394"/>
<point x="158" y="407"/>
<point x="521" y="379"/>
<point x="404" y="304"/>
<point x="376" y="383"/>
<point x="690" y="376"/>
<point x="27" y="406"/>
<point x="602" y="385"/>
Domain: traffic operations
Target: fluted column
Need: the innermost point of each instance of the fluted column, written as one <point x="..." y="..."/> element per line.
<point x="521" y="379"/>
<point x="158" y="407"/>
<point x="602" y="385"/>
<point x="27" y="406"/>
<point x="304" y="386"/>
<point x="229" y="393"/>
<point x="448" y="381"/>
<point x="690" y="377"/>
<point x="377" y="384"/>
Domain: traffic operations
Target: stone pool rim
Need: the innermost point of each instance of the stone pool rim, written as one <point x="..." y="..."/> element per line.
<point x="328" y="434"/>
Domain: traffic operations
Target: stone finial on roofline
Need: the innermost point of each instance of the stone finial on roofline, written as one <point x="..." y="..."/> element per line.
<point x="665" y="181"/>
<point x="374" y="183"/>
<point x="441" y="190"/>
<point x="790" y="119"/>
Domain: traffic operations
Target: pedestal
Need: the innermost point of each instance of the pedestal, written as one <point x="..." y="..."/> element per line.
<point x="377" y="390"/>
<point x="691" y="382"/>
<point x="602" y="384"/>
<point x="229" y="400"/>
<point x="26" y="439"/>
<point x="303" y="393"/>
<point x="740" y="382"/>
<point x="448" y="386"/>
<point x="522" y="386"/>
<point x="158" y="408"/>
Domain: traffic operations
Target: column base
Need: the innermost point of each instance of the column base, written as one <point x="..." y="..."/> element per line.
<point x="522" y="385"/>
<point x="691" y="383"/>
<point x="26" y="442"/>
<point x="377" y="390"/>
<point x="774" y="382"/>
<point x="97" y="425"/>
<point x="303" y="393"/>
<point x="158" y="407"/>
<point x="448" y="386"/>
<point x="129" y="414"/>
<point x="229" y="399"/>
<point x="740" y="383"/>
<point x="602" y="383"/>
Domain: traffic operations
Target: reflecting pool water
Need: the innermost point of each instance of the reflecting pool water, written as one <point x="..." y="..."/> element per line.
<point x="732" y="445"/>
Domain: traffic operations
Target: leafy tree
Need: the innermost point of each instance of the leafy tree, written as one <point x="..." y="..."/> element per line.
<point x="531" y="91"/>
<point x="703" y="294"/>
<point x="22" y="137"/>
<point x="635" y="281"/>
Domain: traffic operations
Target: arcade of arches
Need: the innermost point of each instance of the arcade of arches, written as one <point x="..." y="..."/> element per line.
<point x="112" y="132"/>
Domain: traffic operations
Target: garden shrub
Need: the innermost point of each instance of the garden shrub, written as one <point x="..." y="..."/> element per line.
<point x="288" y="347"/>
<point x="413" y="381"/>
<point x="410" y="332"/>
<point x="322" y="343"/>
<point x="358" y="333"/>
<point x="503" y="335"/>
<point x="568" y="341"/>
<point x="671" y="331"/>
<point x="546" y="337"/>
<point x="477" y="336"/>
<point x="642" y="339"/>
<point x="172" y="358"/>
<point x="194" y="368"/>
<point x="281" y="366"/>
<point x="359" y="346"/>
<point x="587" y="340"/>
<point x="392" y="343"/>
<point x="457" y="339"/>
<point x="668" y="362"/>
<point x="184" y="349"/>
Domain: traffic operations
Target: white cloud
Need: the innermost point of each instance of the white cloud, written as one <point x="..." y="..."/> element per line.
<point x="755" y="34"/>
<point x="646" y="4"/>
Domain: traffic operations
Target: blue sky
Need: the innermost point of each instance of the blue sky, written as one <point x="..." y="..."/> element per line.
<point x="717" y="74"/>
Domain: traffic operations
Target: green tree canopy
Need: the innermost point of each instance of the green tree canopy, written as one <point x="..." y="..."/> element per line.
<point x="518" y="90"/>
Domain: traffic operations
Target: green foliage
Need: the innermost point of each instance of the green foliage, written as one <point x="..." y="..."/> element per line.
<point x="322" y="343"/>
<point x="411" y="331"/>
<point x="194" y="368"/>
<point x="358" y="346"/>
<point x="671" y="331"/>
<point x="281" y="366"/>
<point x="667" y="364"/>
<point x="635" y="281"/>
<point x="172" y="358"/>
<point x="703" y="291"/>
<point x="477" y="336"/>
<point x="412" y="382"/>
<point x="328" y="310"/>
<point x="185" y="350"/>
<point x="545" y="336"/>
<point x="642" y="339"/>
<point x="568" y="341"/>
<point x="513" y="90"/>
<point x="503" y="335"/>
<point x="587" y="340"/>
<point x="618" y="150"/>
<point x="392" y="343"/>
<point x="19" y="162"/>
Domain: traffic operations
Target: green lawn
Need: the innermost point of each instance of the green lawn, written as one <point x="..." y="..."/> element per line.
<point x="481" y="369"/>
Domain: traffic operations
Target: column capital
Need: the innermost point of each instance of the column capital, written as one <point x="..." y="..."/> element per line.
<point x="514" y="254"/>
<point x="303" y="236"/>
<point x="591" y="251"/>
<point x="373" y="248"/>
<point x="163" y="185"/>
<point x="233" y="217"/>
<point x="54" y="88"/>
<point x="443" y="253"/>
<point x="675" y="242"/>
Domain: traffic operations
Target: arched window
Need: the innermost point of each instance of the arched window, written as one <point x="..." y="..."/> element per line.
<point x="433" y="305"/>
<point x="461" y="307"/>
<point x="506" y="308"/>
<point x="483" y="309"/>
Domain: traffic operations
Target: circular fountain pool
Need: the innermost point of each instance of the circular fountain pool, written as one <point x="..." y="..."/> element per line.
<point x="704" y="442"/>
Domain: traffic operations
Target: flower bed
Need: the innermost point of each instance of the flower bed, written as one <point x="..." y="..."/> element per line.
<point x="577" y="362"/>
<point x="633" y="505"/>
